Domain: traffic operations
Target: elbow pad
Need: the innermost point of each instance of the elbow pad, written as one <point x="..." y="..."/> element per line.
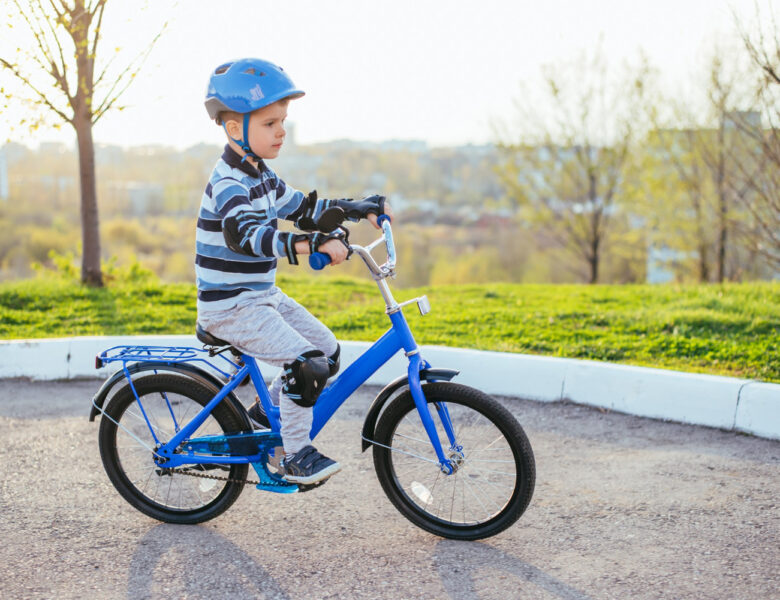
<point x="238" y="235"/>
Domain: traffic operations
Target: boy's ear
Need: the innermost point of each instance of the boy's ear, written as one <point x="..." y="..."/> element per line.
<point x="233" y="128"/>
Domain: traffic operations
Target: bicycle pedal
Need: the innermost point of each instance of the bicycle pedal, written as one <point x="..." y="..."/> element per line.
<point x="270" y="482"/>
<point x="287" y="488"/>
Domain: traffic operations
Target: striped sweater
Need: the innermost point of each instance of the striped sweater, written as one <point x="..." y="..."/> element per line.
<point x="237" y="239"/>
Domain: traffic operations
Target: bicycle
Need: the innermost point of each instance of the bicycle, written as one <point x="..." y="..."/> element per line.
<point x="176" y="442"/>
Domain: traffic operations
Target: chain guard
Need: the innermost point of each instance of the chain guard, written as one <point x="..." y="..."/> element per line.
<point x="270" y="449"/>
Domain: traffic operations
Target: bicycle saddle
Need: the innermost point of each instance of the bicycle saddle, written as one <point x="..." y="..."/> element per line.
<point x="208" y="339"/>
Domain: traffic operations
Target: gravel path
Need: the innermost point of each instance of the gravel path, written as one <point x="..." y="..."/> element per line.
<point x="624" y="508"/>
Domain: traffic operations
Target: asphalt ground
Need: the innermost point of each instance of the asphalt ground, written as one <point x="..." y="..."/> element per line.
<point x="624" y="507"/>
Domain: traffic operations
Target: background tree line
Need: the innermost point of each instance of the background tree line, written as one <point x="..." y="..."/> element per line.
<point x="690" y="176"/>
<point x="604" y="177"/>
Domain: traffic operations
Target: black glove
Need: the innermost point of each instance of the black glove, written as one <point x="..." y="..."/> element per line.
<point x="315" y="240"/>
<point x="305" y="222"/>
<point x="318" y="239"/>
<point x="373" y="205"/>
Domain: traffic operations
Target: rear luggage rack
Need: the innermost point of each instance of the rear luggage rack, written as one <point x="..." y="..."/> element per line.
<point x="164" y="354"/>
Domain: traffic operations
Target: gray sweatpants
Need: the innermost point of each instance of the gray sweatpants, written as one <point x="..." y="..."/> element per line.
<point x="274" y="328"/>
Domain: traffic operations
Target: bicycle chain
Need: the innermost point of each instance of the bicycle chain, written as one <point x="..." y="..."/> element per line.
<point x="217" y="477"/>
<point x="301" y="488"/>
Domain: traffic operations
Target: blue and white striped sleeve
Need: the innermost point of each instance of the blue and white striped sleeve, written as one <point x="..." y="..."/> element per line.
<point x="292" y="204"/>
<point x="246" y="230"/>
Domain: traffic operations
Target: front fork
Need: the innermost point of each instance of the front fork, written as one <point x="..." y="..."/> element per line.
<point x="445" y="464"/>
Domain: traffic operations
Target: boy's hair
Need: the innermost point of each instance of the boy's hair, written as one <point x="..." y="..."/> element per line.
<point x="230" y="115"/>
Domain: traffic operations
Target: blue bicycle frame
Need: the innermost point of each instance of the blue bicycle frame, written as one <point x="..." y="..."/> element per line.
<point x="182" y="450"/>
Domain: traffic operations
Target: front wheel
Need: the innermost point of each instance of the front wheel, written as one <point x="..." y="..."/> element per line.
<point x="494" y="469"/>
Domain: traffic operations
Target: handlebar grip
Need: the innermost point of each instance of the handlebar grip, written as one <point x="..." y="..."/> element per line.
<point x="381" y="219"/>
<point x="319" y="260"/>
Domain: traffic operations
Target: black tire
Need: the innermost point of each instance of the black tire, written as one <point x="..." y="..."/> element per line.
<point x="476" y="501"/>
<point x="167" y="496"/>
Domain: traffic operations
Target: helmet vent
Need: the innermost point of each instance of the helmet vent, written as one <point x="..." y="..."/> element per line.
<point x="222" y="68"/>
<point x="252" y="71"/>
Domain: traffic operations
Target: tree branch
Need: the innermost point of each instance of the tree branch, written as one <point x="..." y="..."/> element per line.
<point x="111" y="97"/>
<point x="63" y="64"/>
<point x="42" y="96"/>
<point x="36" y="29"/>
<point x="98" y="9"/>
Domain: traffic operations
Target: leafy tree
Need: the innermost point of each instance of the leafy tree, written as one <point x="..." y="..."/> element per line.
<point x="566" y="168"/>
<point x="761" y="170"/>
<point x="695" y="153"/>
<point x="57" y="67"/>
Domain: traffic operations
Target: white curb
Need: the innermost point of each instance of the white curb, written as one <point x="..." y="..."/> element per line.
<point x="722" y="402"/>
<point x="758" y="410"/>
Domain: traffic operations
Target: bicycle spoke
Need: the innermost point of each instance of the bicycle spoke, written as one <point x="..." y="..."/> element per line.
<point x="483" y="470"/>
<point x="497" y="485"/>
<point x="406" y="437"/>
<point x="487" y="513"/>
<point x="478" y="450"/>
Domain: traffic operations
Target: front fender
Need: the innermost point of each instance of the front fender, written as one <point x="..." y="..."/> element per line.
<point x="200" y="375"/>
<point x="379" y="402"/>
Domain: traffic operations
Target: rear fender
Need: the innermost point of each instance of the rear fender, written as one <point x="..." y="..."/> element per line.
<point x="185" y="370"/>
<point x="387" y="392"/>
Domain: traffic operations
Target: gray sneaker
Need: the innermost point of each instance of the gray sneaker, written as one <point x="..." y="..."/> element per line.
<point x="308" y="467"/>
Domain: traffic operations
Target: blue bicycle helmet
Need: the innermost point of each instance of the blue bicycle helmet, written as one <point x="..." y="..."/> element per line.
<point x="245" y="85"/>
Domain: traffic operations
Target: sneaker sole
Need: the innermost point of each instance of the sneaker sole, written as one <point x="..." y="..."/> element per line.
<point x="319" y="476"/>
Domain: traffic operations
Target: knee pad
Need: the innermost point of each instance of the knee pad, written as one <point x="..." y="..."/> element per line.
<point x="333" y="361"/>
<point x="305" y="377"/>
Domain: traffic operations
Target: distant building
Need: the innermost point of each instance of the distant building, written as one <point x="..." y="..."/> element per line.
<point x="138" y="198"/>
<point x="53" y="148"/>
<point x="660" y="263"/>
<point x="743" y="119"/>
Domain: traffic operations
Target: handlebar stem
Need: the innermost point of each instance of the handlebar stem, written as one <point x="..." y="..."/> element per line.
<point x="381" y="272"/>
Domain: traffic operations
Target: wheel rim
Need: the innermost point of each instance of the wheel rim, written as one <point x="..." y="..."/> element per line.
<point x="165" y="488"/>
<point x="485" y="478"/>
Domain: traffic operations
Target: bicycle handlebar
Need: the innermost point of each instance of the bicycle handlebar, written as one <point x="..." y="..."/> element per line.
<point x="319" y="260"/>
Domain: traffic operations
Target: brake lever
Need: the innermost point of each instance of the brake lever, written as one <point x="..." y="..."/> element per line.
<point x="345" y="239"/>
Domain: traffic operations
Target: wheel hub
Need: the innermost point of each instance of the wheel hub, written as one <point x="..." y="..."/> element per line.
<point x="456" y="461"/>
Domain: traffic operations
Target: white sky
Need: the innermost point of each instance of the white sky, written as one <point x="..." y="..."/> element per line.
<point x="440" y="71"/>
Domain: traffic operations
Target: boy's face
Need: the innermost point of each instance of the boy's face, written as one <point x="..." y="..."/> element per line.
<point x="266" y="129"/>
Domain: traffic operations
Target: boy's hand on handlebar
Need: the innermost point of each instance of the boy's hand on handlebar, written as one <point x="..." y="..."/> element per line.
<point x="387" y="211"/>
<point x="336" y="249"/>
<point x="369" y="207"/>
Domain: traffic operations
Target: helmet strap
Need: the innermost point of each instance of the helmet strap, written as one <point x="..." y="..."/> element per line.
<point x="243" y="144"/>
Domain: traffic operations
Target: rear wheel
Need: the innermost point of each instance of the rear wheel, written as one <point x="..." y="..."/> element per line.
<point x="494" y="465"/>
<point x="170" y="495"/>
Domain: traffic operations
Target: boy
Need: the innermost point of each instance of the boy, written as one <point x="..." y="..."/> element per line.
<point x="238" y="244"/>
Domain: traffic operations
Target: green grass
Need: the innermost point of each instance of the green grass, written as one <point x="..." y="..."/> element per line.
<point x="732" y="329"/>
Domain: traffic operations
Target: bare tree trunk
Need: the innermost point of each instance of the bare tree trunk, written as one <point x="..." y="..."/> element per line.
<point x="90" y="233"/>
<point x="704" y="260"/>
<point x="704" y="268"/>
<point x="83" y="119"/>
<point x="723" y="238"/>
<point x="594" y="261"/>
<point x="596" y="232"/>
<point x="720" y="178"/>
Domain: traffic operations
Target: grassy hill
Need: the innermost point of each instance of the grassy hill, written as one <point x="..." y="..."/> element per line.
<point x="733" y="329"/>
